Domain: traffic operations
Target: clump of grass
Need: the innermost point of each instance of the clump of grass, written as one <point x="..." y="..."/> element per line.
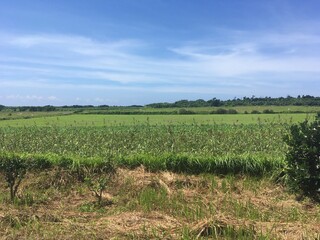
<point x="151" y="199"/>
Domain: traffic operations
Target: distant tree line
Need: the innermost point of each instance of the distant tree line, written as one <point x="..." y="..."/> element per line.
<point x="304" y="100"/>
<point x="47" y="108"/>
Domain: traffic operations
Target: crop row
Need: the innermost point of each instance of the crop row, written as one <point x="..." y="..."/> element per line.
<point x="189" y="148"/>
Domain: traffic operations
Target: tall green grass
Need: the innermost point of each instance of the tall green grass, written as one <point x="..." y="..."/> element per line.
<point x="194" y="148"/>
<point x="99" y="120"/>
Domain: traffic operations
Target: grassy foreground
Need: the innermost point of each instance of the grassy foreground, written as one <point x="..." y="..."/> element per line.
<point x="138" y="204"/>
<point x="154" y="193"/>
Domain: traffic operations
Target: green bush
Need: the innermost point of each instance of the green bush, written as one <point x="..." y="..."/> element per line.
<point x="268" y="111"/>
<point x="232" y="111"/>
<point x="14" y="169"/>
<point x="220" y="111"/>
<point x="224" y="111"/>
<point x="185" y="111"/>
<point x="255" y="112"/>
<point x="303" y="158"/>
<point x="97" y="186"/>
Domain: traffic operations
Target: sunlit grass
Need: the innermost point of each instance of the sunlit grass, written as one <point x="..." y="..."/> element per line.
<point x="96" y="120"/>
<point x="194" y="148"/>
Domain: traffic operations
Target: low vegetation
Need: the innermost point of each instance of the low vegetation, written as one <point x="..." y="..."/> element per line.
<point x="253" y="149"/>
<point x="245" y="105"/>
<point x="303" y="158"/>
<point x="160" y="177"/>
<point x="13" y="168"/>
<point x="138" y="204"/>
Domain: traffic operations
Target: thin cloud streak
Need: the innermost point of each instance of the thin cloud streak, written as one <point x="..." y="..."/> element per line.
<point x="29" y="97"/>
<point x="76" y="62"/>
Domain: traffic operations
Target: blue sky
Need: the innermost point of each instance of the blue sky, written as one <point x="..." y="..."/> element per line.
<point x="124" y="52"/>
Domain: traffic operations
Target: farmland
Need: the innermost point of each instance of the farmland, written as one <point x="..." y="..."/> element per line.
<point x="202" y="175"/>
<point x="201" y="141"/>
<point x="98" y="120"/>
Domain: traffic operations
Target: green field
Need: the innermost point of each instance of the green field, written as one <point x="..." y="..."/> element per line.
<point x="194" y="110"/>
<point x="251" y="143"/>
<point x="98" y="120"/>
<point x="188" y="175"/>
<point x="239" y="109"/>
<point x="10" y="115"/>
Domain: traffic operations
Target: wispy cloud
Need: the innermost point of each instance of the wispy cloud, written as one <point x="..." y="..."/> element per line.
<point x="29" y="97"/>
<point x="241" y="63"/>
<point x="257" y="53"/>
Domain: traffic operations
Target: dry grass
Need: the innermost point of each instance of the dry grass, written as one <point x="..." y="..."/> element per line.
<point x="164" y="205"/>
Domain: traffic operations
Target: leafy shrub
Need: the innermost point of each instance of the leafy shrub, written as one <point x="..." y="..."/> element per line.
<point x="97" y="177"/>
<point x="268" y="111"/>
<point x="303" y="158"/>
<point x="255" y="112"/>
<point x="232" y="111"/>
<point x="224" y="111"/>
<point x="221" y="111"/>
<point x="185" y="111"/>
<point x="97" y="186"/>
<point x="14" y="169"/>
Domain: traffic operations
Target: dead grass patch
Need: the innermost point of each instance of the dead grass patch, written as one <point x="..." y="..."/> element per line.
<point x="201" y="206"/>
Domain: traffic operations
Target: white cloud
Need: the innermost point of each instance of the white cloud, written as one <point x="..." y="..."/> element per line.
<point x="255" y="54"/>
<point x="66" y="62"/>
<point x="52" y="98"/>
<point x="120" y="61"/>
<point x="28" y="97"/>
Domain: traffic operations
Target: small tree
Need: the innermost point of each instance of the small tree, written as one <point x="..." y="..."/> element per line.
<point x="303" y="158"/>
<point x="98" y="177"/>
<point x="14" y="169"/>
<point x="97" y="186"/>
